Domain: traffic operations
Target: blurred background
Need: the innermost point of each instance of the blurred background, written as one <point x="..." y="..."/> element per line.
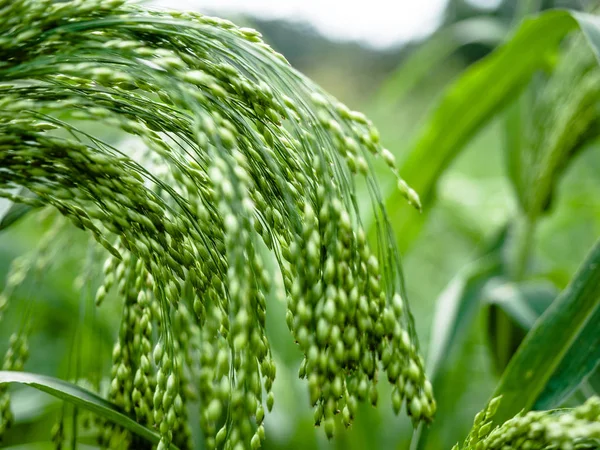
<point x="376" y="57"/>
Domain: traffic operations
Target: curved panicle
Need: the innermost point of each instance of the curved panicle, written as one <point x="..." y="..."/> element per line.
<point x="217" y="149"/>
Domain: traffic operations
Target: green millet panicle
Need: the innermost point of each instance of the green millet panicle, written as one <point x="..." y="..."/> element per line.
<point x="226" y="149"/>
<point x="557" y="429"/>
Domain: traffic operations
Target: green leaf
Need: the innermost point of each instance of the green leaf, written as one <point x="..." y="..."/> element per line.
<point x="434" y="51"/>
<point x="513" y="309"/>
<point x="560" y="333"/>
<point x="580" y="362"/>
<point x="16" y="211"/>
<point x="82" y="398"/>
<point x="516" y="119"/>
<point x="475" y="98"/>
<point x="459" y="302"/>
<point x="562" y="119"/>
<point x="30" y="406"/>
<point x="456" y="309"/>
<point x="594" y="381"/>
<point x="523" y="302"/>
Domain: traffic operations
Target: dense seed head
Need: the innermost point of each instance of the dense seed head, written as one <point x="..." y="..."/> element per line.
<point x="537" y="429"/>
<point x="225" y="148"/>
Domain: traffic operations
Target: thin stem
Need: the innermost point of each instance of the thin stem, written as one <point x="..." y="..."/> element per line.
<point x="416" y="437"/>
<point x="524" y="244"/>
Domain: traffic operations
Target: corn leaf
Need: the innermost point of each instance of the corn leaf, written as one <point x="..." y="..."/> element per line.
<point x="82" y="398"/>
<point x="565" y="334"/>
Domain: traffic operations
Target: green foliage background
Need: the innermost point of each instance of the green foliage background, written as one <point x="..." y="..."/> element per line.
<point x="474" y="202"/>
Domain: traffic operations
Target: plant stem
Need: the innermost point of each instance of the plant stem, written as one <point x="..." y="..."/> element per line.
<point x="524" y="244"/>
<point x="416" y="436"/>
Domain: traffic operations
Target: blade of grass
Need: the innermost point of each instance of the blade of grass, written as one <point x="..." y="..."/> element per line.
<point x="560" y="332"/>
<point x="581" y="361"/>
<point x="83" y="398"/>
<point x="524" y="303"/>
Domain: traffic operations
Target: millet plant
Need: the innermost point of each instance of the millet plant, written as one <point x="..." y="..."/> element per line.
<point x="240" y="158"/>
<point x="226" y="159"/>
